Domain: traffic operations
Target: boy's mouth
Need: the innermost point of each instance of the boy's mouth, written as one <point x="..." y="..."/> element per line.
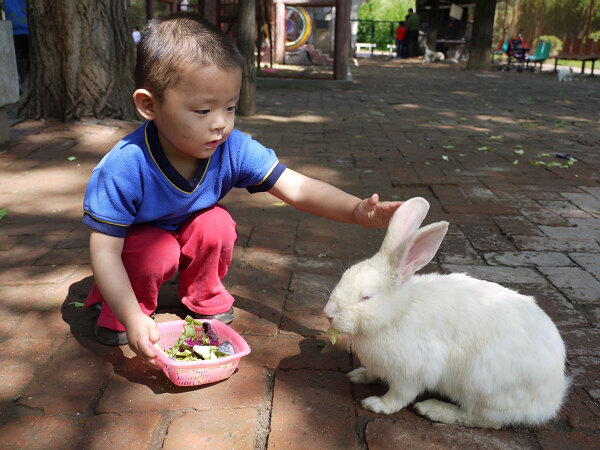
<point x="213" y="144"/>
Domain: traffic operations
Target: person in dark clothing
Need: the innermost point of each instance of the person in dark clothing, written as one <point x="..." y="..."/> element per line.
<point x="413" y="24"/>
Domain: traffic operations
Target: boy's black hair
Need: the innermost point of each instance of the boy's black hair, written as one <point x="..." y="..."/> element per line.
<point x="172" y="41"/>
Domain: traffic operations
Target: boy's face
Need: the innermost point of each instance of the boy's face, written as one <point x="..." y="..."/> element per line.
<point x="197" y="114"/>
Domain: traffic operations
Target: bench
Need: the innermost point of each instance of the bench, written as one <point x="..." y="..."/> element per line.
<point x="391" y="49"/>
<point x="366" y="46"/>
<point x="575" y="51"/>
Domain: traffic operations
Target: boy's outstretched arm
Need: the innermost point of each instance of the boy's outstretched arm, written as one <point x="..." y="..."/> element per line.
<point x="114" y="284"/>
<point x="325" y="200"/>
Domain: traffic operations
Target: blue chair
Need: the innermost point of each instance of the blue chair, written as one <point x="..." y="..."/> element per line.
<point x="541" y="54"/>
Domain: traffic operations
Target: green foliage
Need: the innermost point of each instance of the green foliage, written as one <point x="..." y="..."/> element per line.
<point x="556" y="44"/>
<point x="561" y="19"/>
<point x="378" y="20"/>
<point x="595" y="35"/>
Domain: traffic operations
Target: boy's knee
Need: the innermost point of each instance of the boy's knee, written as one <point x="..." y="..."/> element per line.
<point x="216" y="225"/>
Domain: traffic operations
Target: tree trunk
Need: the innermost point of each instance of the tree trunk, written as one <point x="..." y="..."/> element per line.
<point x="515" y="26"/>
<point x="82" y="58"/>
<point x="246" y="37"/>
<point x="434" y="19"/>
<point x="483" y="30"/>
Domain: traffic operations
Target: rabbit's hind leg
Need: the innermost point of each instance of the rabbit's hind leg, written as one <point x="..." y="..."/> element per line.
<point x="443" y="412"/>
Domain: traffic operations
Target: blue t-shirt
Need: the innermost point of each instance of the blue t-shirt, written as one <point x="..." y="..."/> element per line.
<point x="16" y="12"/>
<point x="136" y="183"/>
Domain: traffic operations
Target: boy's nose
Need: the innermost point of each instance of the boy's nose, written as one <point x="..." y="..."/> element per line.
<point x="218" y="122"/>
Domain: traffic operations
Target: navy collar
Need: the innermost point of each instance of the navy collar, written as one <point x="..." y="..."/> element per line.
<point x="158" y="155"/>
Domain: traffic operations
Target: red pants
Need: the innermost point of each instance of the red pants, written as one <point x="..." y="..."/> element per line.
<point x="201" y="249"/>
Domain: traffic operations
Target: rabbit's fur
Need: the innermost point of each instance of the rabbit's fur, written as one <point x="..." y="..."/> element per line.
<point x="565" y="74"/>
<point x="431" y="56"/>
<point x="490" y="350"/>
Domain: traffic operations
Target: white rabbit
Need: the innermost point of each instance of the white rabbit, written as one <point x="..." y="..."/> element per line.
<point x="490" y="350"/>
<point x="431" y="56"/>
<point x="565" y="74"/>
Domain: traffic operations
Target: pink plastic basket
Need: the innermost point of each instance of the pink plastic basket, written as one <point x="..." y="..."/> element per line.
<point x="194" y="373"/>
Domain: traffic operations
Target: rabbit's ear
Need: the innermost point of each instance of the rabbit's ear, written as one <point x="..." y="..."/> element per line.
<point x="416" y="251"/>
<point x="406" y="220"/>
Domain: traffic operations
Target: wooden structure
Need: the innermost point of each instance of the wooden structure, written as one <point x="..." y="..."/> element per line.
<point x="224" y="14"/>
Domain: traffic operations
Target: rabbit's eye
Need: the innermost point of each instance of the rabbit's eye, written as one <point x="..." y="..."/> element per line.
<point x="365" y="297"/>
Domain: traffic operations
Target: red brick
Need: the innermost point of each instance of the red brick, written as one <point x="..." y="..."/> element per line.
<point x="117" y="431"/>
<point x="556" y="440"/>
<point x="487" y="208"/>
<point x="295" y="353"/>
<point x="217" y="428"/>
<point x="312" y="409"/>
<point x="421" y="434"/>
<point x="581" y="412"/>
<point x="72" y="378"/>
<point x="134" y="389"/>
<point x="34" y="432"/>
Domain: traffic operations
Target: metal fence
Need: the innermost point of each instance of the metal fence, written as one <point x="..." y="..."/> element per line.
<point x="379" y="32"/>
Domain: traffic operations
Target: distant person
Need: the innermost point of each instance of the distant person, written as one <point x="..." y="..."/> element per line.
<point x="16" y="12"/>
<point x="413" y="24"/>
<point x="137" y="35"/>
<point x="152" y="203"/>
<point x="400" y="36"/>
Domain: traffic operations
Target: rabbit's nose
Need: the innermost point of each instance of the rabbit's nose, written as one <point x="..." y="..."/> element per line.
<point x="329" y="311"/>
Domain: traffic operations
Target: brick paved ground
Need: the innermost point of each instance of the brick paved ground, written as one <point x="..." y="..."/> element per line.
<point x="401" y="130"/>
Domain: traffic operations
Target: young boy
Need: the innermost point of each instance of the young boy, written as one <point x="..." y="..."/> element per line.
<point x="152" y="202"/>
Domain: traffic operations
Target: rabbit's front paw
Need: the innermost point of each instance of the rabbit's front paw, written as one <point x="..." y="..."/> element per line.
<point x="379" y="405"/>
<point x="362" y="376"/>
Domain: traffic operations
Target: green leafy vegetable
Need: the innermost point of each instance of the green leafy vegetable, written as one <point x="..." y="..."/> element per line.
<point x="333" y="334"/>
<point x="198" y="342"/>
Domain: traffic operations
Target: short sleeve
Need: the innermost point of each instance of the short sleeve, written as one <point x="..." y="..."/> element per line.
<point x="111" y="198"/>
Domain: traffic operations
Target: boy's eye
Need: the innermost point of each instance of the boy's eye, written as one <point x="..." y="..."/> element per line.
<point x="202" y="112"/>
<point x="231" y="108"/>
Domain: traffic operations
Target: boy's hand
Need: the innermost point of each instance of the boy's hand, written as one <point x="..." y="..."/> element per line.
<point x="142" y="332"/>
<point x="372" y="213"/>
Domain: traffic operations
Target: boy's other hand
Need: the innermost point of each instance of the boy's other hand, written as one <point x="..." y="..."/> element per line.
<point x="142" y="333"/>
<point x="372" y="213"/>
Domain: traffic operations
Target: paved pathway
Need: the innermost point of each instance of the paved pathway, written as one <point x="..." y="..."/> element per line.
<point x="466" y="141"/>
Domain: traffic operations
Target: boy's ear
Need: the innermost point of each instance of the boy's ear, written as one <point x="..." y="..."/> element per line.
<point x="144" y="102"/>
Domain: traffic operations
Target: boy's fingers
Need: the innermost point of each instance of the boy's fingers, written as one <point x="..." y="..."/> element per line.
<point x="154" y="334"/>
<point x="373" y="200"/>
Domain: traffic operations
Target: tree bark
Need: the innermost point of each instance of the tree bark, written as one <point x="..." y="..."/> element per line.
<point x="246" y="38"/>
<point x="434" y="19"/>
<point x="82" y="58"/>
<point x="483" y="30"/>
